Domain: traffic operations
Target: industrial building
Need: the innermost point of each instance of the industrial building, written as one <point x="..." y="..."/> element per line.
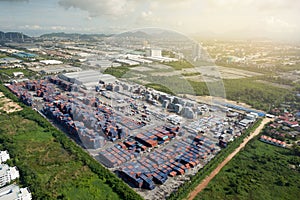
<point x="55" y="69"/>
<point x="155" y="55"/>
<point x="8" y="174"/>
<point x="51" y="62"/>
<point x="100" y="63"/>
<point x="127" y="62"/>
<point x="25" y="55"/>
<point x="18" y="74"/>
<point x="14" y="192"/>
<point x="9" y="60"/>
<point x="138" y="58"/>
<point x="87" y="79"/>
<point x="153" y="52"/>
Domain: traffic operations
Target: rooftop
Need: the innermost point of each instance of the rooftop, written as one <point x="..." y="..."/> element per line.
<point x="12" y="192"/>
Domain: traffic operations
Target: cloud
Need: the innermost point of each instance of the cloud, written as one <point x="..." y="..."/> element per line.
<point x="119" y="8"/>
<point x="188" y="16"/>
<point x="101" y="7"/>
<point x="31" y="27"/>
<point x="38" y="27"/>
<point x="259" y="5"/>
<point x="192" y="15"/>
<point x="279" y="25"/>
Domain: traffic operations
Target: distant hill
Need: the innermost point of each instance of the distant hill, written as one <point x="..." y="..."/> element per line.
<point x="73" y="36"/>
<point x="152" y="34"/>
<point x="13" y="36"/>
<point x="137" y="34"/>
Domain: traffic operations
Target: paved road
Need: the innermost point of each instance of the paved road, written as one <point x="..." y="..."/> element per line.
<point x="205" y="182"/>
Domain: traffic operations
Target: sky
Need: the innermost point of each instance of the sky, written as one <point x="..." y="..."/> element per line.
<point x="273" y="19"/>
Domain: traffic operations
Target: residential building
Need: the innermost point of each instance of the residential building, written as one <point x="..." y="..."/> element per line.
<point x="8" y="174"/>
<point x="14" y="192"/>
<point x="272" y="141"/>
<point x="4" y="156"/>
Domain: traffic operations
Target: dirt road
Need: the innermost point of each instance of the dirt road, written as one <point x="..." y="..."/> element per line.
<point x="205" y="182"/>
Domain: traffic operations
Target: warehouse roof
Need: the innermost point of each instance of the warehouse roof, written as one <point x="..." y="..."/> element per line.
<point x="88" y="78"/>
<point x="51" y="62"/>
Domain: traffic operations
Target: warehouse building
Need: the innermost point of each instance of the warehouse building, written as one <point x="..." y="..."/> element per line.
<point x="9" y="60"/>
<point x="88" y="79"/>
<point x="153" y="52"/>
<point x="127" y="62"/>
<point x="51" y="62"/>
<point x="100" y="63"/>
<point x="25" y="55"/>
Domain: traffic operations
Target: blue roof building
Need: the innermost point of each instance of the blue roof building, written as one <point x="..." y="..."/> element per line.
<point x="25" y="55"/>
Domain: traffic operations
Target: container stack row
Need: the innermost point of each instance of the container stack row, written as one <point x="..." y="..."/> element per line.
<point x="134" y="146"/>
<point x="157" y="166"/>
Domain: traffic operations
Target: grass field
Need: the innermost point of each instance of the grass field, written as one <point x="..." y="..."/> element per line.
<point x="179" y="65"/>
<point x="2" y="55"/>
<point x="248" y="90"/>
<point x="159" y="87"/>
<point x="54" y="173"/>
<point x="118" y="72"/>
<point x="260" y="171"/>
<point x="9" y="72"/>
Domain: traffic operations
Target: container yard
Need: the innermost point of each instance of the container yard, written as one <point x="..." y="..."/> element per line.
<point x="152" y="140"/>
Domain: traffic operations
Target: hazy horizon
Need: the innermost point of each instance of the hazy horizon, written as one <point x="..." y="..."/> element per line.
<point x="271" y="19"/>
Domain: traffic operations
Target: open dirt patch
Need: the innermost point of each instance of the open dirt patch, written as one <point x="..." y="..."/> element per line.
<point x="7" y="105"/>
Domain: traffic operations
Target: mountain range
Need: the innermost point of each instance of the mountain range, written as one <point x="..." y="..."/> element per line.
<point x="13" y="36"/>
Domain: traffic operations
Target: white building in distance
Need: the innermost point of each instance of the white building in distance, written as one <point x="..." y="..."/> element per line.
<point x="153" y="52"/>
<point x="51" y="62"/>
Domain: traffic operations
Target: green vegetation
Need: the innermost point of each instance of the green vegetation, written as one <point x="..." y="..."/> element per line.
<point x="191" y="74"/>
<point x="258" y="95"/>
<point x="159" y="87"/>
<point x="9" y="72"/>
<point x="169" y="54"/>
<point x="260" y="171"/>
<point x="276" y="79"/>
<point x="51" y="164"/>
<point x="184" y="190"/>
<point x="276" y="67"/>
<point x="176" y="84"/>
<point x="251" y="68"/>
<point x="179" y="65"/>
<point x="287" y="68"/>
<point x="2" y="55"/>
<point x="118" y="72"/>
